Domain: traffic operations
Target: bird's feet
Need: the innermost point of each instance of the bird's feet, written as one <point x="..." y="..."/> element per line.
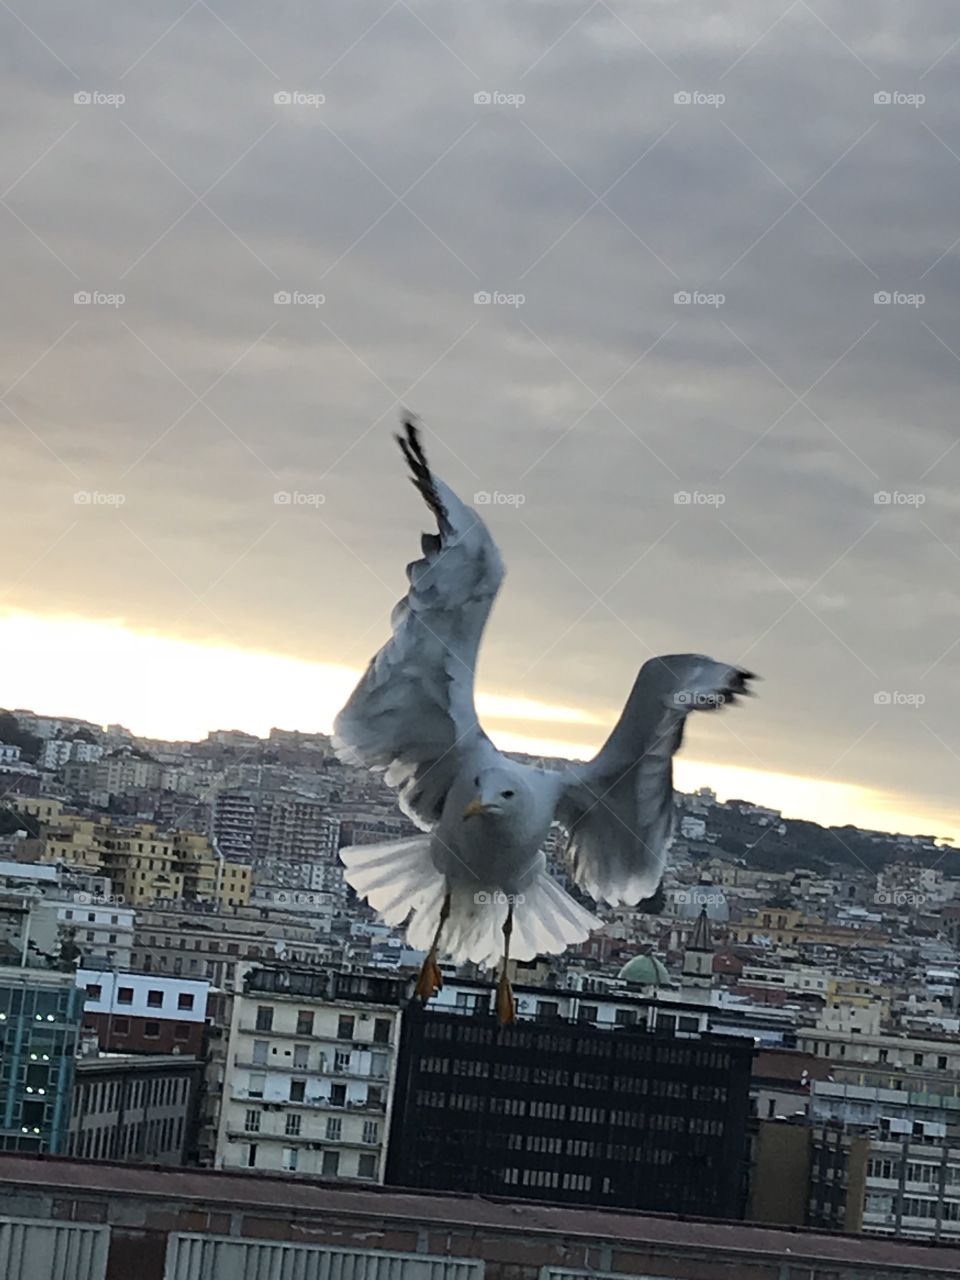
<point x="430" y="980"/>
<point x="506" y="1005"/>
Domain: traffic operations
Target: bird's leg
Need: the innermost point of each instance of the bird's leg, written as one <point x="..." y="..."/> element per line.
<point x="431" y="979"/>
<point x="506" y="1005"/>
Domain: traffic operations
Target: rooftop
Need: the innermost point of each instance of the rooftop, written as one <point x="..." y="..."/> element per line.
<point x="280" y="1207"/>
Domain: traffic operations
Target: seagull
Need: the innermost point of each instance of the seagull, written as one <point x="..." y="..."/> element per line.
<point x="475" y="885"/>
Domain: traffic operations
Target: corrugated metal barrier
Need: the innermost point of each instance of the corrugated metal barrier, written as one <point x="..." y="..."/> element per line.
<point x="196" y="1257"/>
<point x="37" y="1250"/>
<point x="564" y="1273"/>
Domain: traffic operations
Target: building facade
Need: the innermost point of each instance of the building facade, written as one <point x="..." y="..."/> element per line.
<point x="40" y="1014"/>
<point x="569" y="1111"/>
<point x="310" y="1072"/>
<point x="143" y="1013"/>
<point x="136" y="1110"/>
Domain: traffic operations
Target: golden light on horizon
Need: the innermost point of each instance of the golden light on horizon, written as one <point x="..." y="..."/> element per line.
<point x="163" y="687"/>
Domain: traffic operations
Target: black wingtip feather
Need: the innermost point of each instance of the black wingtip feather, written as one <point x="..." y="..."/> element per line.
<point x="422" y="477"/>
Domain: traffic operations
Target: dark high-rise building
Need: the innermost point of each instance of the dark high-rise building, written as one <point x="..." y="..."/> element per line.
<point x="569" y="1112"/>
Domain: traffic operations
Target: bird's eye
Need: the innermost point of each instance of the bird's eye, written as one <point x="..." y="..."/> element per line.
<point x="506" y="794"/>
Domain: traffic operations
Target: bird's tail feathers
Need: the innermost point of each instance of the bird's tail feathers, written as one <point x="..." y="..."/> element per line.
<point x="399" y="880"/>
<point x="395" y="877"/>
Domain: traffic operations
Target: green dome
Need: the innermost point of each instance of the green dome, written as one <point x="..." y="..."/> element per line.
<point x="645" y="971"/>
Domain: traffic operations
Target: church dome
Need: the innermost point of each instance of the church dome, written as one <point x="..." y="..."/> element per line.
<point x="644" y="971"/>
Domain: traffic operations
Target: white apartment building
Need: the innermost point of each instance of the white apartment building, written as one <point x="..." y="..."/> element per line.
<point x="144" y="995"/>
<point x="310" y="1072"/>
<point x="897" y="1051"/>
<point x="104" y="933"/>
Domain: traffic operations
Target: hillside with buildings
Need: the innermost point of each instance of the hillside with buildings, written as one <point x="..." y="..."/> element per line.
<point x="775" y="1039"/>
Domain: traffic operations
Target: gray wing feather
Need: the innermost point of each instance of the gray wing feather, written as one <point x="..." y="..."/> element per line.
<point x="618" y="808"/>
<point x="412" y="715"/>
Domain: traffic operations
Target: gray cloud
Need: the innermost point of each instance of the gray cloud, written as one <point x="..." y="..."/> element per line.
<point x="599" y="398"/>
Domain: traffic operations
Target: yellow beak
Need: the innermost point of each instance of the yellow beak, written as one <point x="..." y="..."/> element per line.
<point x="475" y="806"/>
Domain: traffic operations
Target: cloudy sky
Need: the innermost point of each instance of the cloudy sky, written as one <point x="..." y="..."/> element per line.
<point x="683" y="216"/>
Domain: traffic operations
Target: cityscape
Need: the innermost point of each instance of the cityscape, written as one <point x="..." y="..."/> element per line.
<point x="479" y="640"/>
<point x="188" y="986"/>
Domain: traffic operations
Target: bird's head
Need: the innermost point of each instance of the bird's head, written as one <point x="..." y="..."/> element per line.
<point x="497" y="792"/>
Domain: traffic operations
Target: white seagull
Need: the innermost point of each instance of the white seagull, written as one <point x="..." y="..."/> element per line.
<point x="476" y="885"/>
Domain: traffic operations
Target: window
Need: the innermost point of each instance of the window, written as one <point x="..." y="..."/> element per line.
<point x="338" y="1095"/>
<point x="771" y="1108"/>
<point x="292" y="1127"/>
<point x="367" y="1166"/>
<point x="301" y="1055"/>
<point x="345" y="1027"/>
<point x="297" y="1090"/>
<point x="125" y="995"/>
<point x="252" y="1155"/>
<point x="256" y="1081"/>
<point x="331" y="1163"/>
<point x="264" y="1017"/>
<point x="371" y="1131"/>
<point x="184" y="1000"/>
<point x="151" y="1031"/>
<point x="588" y="1013"/>
<point x="942" y="1062"/>
<point x="374" y="1096"/>
<point x="289" y="1161"/>
<point x="305" y="1022"/>
<point x="548" y="1009"/>
<point x="381" y="1031"/>
<point x="883" y="1055"/>
<point x="918" y="1059"/>
<point x="121" y="1026"/>
<point x="260" y="1050"/>
<point x="155" y="999"/>
<point x="94" y="991"/>
<point x="251" y="1121"/>
<point x="626" y="1018"/>
<point x="334" y="1125"/>
<point x="341" y="1060"/>
<point x="181" y="1031"/>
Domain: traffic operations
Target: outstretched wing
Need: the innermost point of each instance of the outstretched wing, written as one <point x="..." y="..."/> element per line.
<point x="618" y="808"/>
<point x="412" y="714"/>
